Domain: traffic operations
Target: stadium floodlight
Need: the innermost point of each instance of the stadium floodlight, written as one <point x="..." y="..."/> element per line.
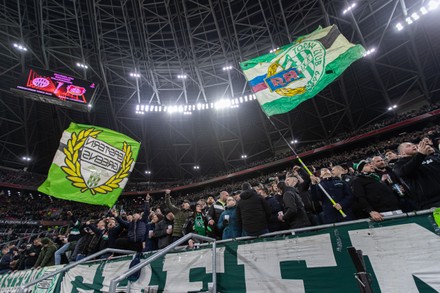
<point x="196" y="167"/>
<point x="423" y="10"/>
<point x="293" y="141"/>
<point x="433" y="4"/>
<point x="240" y="99"/>
<point x="20" y="47"/>
<point x="148" y="172"/>
<point x="399" y="26"/>
<point x="349" y="8"/>
<point x="390" y="108"/>
<point x="135" y="75"/>
<point x="227" y="68"/>
<point x="187" y="113"/>
<point x="26" y="158"/>
<point x="82" y="65"/>
<point x="274" y="50"/>
<point x="182" y="76"/>
<point x="370" y="51"/>
<point x="415" y="16"/>
<point x="243" y="156"/>
<point x="222" y="104"/>
<point x="409" y="20"/>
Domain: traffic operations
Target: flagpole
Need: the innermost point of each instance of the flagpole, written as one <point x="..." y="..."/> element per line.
<point x="305" y="167"/>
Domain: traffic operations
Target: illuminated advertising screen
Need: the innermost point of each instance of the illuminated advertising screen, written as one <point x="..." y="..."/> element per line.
<point x="56" y="88"/>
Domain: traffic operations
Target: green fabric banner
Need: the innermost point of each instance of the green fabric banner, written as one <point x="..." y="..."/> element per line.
<point x="91" y="165"/>
<point x="401" y="255"/>
<point x="294" y="73"/>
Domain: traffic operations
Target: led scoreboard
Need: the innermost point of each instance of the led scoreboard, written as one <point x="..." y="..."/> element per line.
<point x="56" y="88"/>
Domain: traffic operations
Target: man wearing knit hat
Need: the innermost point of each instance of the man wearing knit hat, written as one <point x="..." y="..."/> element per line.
<point x="372" y="195"/>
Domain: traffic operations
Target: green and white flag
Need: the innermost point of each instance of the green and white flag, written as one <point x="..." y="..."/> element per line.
<point x="92" y="165"/>
<point x="297" y="72"/>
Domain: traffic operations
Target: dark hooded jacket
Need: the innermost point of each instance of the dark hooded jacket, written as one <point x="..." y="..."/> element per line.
<point x="253" y="211"/>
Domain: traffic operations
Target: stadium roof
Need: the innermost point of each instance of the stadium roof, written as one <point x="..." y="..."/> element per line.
<point x="164" y="40"/>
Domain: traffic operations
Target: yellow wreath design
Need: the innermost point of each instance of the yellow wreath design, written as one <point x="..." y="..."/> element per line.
<point x="73" y="167"/>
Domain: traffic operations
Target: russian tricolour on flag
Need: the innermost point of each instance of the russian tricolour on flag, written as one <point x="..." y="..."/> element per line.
<point x="298" y="71"/>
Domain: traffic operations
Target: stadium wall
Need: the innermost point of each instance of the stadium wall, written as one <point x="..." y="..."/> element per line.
<point x="401" y="255"/>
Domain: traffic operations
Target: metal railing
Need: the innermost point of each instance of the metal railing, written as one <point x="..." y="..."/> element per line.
<point x="114" y="282"/>
<point x="22" y="288"/>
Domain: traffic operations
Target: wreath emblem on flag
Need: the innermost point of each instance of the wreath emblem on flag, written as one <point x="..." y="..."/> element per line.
<point x="94" y="165"/>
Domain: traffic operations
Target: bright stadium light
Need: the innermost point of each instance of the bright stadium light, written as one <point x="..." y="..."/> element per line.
<point x="243" y="156"/>
<point x="182" y="76"/>
<point x="20" y="47"/>
<point x="187" y="113"/>
<point x="370" y="51"/>
<point x="196" y="167"/>
<point x="415" y="16"/>
<point x="349" y="8"/>
<point x="293" y="141"/>
<point x="148" y="172"/>
<point x="274" y="50"/>
<point x="82" y="65"/>
<point x="227" y="68"/>
<point x="135" y="75"/>
<point x="399" y="26"/>
<point x="26" y="158"/>
<point x="433" y="4"/>
<point x="423" y="10"/>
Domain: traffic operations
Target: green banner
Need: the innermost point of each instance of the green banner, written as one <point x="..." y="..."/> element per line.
<point x="401" y="255"/>
<point x="11" y="282"/>
<point x="91" y="165"/>
<point x="294" y="73"/>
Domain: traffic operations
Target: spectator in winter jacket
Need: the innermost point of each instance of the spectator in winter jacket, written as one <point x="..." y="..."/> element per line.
<point x="72" y="238"/>
<point x="372" y="195"/>
<point x="340" y="192"/>
<point x="214" y="213"/>
<point x="228" y="221"/>
<point x="164" y="229"/>
<point x="180" y="215"/>
<point x="419" y="167"/>
<point x="47" y="254"/>
<point x="197" y="223"/>
<point x="137" y="229"/>
<point x="275" y="208"/>
<point x="253" y="212"/>
<point x="5" y="261"/>
<point x="151" y="240"/>
<point x="32" y="253"/>
<point x="294" y="211"/>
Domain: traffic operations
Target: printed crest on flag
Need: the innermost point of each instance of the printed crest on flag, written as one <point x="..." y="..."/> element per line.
<point x="92" y="165"/>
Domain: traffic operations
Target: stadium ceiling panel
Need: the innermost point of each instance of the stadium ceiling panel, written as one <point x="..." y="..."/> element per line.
<point x="175" y="52"/>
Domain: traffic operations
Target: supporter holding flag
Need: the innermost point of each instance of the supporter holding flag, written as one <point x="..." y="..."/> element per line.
<point x="339" y="190"/>
<point x="228" y="221"/>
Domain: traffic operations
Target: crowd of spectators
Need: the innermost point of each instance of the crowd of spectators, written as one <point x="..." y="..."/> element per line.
<point x="397" y="175"/>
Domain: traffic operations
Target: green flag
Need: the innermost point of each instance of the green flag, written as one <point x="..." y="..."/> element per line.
<point x="92" y="165"/>
<point x="297" y="72"/>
